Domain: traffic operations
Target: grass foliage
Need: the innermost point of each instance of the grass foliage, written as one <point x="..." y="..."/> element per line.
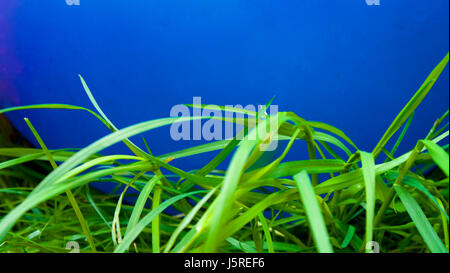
<point x="338" y="200"/>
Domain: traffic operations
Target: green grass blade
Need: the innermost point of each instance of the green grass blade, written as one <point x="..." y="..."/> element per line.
<point x="267" y="235"/>
<point x="134" y="232"/>
<point x="439" y="155"/>
<point x="140" y="203"/>
<point x="230" y="182"/>
<point x="424" y="227"/>
<point x="411" y="105"/>
<point x="368" y="168"/>
<point x="313" y="213"/>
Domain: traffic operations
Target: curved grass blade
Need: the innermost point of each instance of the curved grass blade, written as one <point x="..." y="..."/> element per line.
<point x="8" y="221"/>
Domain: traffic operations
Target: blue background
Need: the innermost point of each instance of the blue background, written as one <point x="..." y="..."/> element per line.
<point x="341" y="62"/>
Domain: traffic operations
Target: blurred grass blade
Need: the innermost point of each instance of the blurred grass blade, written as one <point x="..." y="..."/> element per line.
<point x="424" y="227"/>
<point x="267" y="235"/>
<point x="312" y="209"/>
<point x="348" y="236"/>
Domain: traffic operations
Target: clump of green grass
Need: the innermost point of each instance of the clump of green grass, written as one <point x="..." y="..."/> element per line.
<point x="390" y="202"/>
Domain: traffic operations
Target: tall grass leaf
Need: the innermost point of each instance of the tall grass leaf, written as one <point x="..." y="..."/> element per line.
<point x="368" y="169"/>
<point x="411" y="105"/>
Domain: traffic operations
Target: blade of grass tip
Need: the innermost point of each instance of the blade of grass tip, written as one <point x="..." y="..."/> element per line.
<point x="439" y="155"/>
<point x="312" y="209"/>
<point x="267" y="235"/>
<point x="69" y="194"/>
<point x="134" y="232"/>
<point x="368" y="168"/>
<point x="411" y="105"/>
<point x="424" y="227"/>
<point x="57" y="106"/>
<point x="135" y="149"/>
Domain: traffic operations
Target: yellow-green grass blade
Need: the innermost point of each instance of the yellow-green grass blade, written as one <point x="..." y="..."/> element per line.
<point x="156" y="221"/>
<point x="368" y="169"/>
<point x="97" y="146"/>
<point x="439" y="155"/>
<point x="402" y="135"/>
<point x="140" y="202"/>
<point x="313" y="213"/>
<point x="332" y="129"/>
<point x="444" y="225"/>
<point x="411" y="105"/>
<point x="147" y="219"/>
<point x="267" y="235"/>
<point x="424" y="227"/>
<point x="56" y="106"/>
<point x="416" y="184"/>
<point x="348" y="236"/>
<point x="232" y="177"/>
<point x="135" y="149"/>
<point x="269" y="200"/>
<point x="69" y="193"/>
<point x="187" y="219"/>
<point x="293" y="167"/>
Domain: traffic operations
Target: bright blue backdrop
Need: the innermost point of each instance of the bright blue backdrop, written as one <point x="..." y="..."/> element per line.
<point x="337" y="61"/>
